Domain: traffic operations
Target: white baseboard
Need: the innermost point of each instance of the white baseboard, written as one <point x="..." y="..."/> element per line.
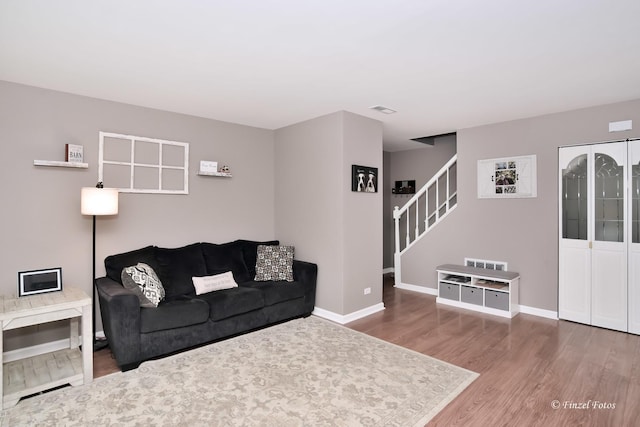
<point x="388" y="270"/>
<point x="549" y="314"/>
<point x="416" y="288"/>
<point x="35" y="350"/>
<point x="342" y="319"/>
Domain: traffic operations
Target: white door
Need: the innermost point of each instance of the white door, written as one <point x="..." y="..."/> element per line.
<point x="609" y="253"/>
<point x="592" y="248"/>
<point x="574" y="298"/>
<point x="633" y="231"/>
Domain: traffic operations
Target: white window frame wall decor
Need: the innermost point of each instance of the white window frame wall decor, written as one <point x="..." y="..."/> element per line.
<point x="132" y="164"/>
<point x="507" y="177"/>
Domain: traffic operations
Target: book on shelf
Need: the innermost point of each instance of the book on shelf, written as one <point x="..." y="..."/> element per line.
<point x="73" y="153"/>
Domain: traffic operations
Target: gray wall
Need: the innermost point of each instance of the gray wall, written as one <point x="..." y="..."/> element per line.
<point x="419" y="164"/>
<point x="523" y="232"/>
<point x="339" y="230"/>
<point x="308" y="199"/>
<point x="362" y="215"/>
<point x="41" y="222"/>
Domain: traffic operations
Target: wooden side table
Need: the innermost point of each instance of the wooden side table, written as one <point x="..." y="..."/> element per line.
<point x="68" y="366"/>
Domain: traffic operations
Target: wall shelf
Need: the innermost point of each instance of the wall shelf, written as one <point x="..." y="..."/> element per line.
<point x="220" y="174"/>
<point x="58" y="164"/>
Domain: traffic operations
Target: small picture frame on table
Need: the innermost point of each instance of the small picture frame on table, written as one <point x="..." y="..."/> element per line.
<point x="39" y="281"/>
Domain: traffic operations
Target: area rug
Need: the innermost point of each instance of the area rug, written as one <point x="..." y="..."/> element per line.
<point x="306" y="372"/>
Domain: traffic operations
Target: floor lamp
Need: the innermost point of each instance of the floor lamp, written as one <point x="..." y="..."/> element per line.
<point x="97" y="201"/>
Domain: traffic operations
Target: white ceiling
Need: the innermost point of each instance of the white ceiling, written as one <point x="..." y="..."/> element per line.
<point x="444" y="65"/>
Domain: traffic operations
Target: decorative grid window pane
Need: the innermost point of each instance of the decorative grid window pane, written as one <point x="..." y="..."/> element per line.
<point x="137" y="164"/>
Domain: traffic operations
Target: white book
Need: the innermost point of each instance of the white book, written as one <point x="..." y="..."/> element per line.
<point x="73" y="153"/>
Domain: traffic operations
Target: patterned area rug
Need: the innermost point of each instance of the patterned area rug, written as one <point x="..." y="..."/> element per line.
<point x="306" y="372"/>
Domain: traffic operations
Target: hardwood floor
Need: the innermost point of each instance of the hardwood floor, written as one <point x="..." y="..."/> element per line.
<point x="526" y="364"/>
<point x="104" y="363"/>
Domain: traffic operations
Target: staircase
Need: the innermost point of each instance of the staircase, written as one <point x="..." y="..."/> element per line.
<point x="430" y="205"/>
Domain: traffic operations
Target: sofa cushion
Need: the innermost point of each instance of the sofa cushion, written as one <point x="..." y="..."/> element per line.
<point x="176" y="268"/>
<point x="115" y="263"/>
<point x="250" y="253"/>
<point x="231" y="302"/>
<point x="144" y="282"/>
<point x="213" y="283"/>
<point x="226" y="257"/>
<point x="275" y="292"/>
<point x="180" y="312"/>
<point x="274" y="263"/>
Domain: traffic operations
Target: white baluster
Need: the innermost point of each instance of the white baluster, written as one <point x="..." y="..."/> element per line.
<point x="426" y="209"/>
<point x="396" y="218"/>
<point x="417" y="222"/>
<point x="408" y="234"/>
<point x="437" y="200"/>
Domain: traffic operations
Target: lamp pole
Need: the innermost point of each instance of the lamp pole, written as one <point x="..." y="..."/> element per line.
<point x="97" y="201"/>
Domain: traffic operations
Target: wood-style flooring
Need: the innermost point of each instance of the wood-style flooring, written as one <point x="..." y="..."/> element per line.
<point x="533" y="371"/>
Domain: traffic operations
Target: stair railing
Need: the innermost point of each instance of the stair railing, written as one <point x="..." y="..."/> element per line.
<point x="426" y="209"/>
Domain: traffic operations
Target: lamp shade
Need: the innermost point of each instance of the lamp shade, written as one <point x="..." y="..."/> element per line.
<point x="98" y="201"/>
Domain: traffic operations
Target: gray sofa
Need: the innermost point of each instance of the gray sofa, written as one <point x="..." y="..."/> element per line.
<point x="185" y="319"/>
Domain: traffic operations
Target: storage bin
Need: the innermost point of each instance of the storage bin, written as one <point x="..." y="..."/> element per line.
<point x="450" y="291"/>
<point x="495" y="299"/>
<point x="471" y="295"/>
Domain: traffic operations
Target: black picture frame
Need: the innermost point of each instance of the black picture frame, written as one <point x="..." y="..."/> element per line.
<point x="35" y="282"/>
<point x="364" y="179"/>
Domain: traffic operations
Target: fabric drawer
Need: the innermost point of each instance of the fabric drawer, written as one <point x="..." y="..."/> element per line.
<point x="450" y="291"/>
<point x="494" y="299"/>
<point x="471" y="295"/>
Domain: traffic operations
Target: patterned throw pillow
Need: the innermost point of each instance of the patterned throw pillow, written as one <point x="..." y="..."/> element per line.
<point x="274" y="263"/>
<point x="142" y="280"/>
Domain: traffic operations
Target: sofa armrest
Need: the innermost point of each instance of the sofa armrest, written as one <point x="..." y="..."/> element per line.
<point x="307" y="274"/>
<point x="120" y="312"/>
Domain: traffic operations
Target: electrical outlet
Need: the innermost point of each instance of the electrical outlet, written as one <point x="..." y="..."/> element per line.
<point x="367" y="291"/>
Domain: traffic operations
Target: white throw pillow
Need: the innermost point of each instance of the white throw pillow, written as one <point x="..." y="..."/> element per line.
<point x="214" y="283"/>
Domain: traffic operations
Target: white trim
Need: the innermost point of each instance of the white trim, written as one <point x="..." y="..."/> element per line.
<point x="416" y="288"/>
<point x="549" y="314"/>
<point x="388" y="270"/>
<point x="342" y="319"/>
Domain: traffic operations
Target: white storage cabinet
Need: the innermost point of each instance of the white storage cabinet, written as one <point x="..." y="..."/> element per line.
<point x="480" y="289"/>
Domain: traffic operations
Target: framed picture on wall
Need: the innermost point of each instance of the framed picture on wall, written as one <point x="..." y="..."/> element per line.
<point x="364" y="179"/>
<point x="39" y="281"/>
<point x="507" y="177"/>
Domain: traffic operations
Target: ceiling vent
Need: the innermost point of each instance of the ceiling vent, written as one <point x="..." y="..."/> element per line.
<point x="383" y="109"/>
